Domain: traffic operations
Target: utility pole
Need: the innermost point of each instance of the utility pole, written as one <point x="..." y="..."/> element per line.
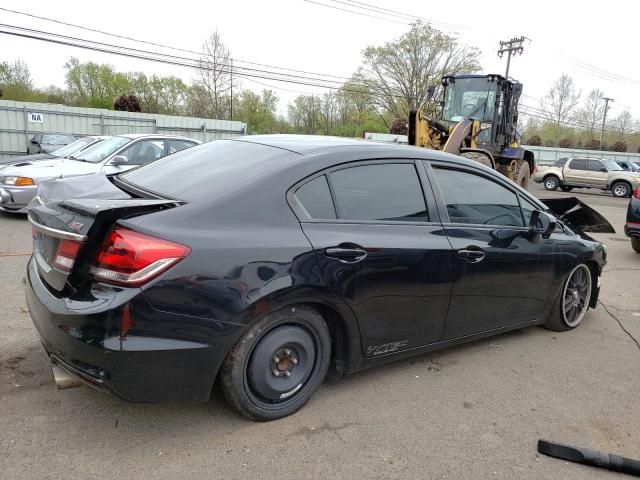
<point x="604" y="117"/>
<point x="231" y="109"/>
<point x="511" y="47"/>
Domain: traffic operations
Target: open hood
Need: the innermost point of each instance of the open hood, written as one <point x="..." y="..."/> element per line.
<point x="578" y="215"/>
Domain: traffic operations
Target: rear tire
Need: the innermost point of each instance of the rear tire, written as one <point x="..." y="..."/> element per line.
<point x="478" y="157"/>
<point x="621" y="190"/>
<point x="572" y="302"/>
<point x="278" y="364"/>
<point x="523" y="175"/>
<point x="635" y="244"/>
<point x="551" y="183"/>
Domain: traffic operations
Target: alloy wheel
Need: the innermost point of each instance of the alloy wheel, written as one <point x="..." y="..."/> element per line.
<point x="576" y="295"/>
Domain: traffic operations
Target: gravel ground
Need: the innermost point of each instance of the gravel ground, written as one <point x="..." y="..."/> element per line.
<point x="474" y="411"/>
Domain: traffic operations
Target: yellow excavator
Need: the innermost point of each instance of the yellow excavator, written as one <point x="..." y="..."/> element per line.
<point x="477" y="120"/>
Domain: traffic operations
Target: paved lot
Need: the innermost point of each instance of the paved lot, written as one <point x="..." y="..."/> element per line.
<point x="474" y="411"/>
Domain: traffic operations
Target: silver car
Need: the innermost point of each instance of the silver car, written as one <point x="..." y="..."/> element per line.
<point x="19" y="183"/>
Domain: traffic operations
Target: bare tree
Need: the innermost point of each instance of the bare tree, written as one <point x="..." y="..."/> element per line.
<point x="399" y="73"/>
<point x="592" y="110"/>
<point x="560" y="102"/>
<point x="622" y="124"/>
<point x="214" y="72"/>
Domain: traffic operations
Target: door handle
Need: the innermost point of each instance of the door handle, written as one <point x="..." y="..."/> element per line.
<point x="472" y="256"/>
<point x="346" y="254"/>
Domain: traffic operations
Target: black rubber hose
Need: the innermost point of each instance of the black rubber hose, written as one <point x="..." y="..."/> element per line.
<point x="586" y="456"/>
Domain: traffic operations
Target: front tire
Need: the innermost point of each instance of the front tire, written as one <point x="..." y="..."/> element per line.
<point x="551" y="183"/>
<point x="278" y="364"/>
<point x="635" y="244"/>
<point x="572" y="301"/>
<point x="621" y="190"/>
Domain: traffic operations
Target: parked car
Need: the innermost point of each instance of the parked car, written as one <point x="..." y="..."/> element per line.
<point x="48" y="142"/>
<point x="604" y="174"/>
<point x="19" y="183"/>
<point x="67" y="151"/>
<point x="628" y="166"/>
<point x="632" y="227"/>
<point x="270" y="262"/>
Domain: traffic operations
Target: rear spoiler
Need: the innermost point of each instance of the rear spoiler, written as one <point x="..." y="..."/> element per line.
<point x="578" y="215"/>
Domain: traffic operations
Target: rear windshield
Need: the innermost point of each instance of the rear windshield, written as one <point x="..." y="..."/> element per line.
<point x="102" y="150"/>
<point x="204" y="170"/>
<point x="57" y="139"/>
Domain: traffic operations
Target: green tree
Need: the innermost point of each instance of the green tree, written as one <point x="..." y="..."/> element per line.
<point x="399" y="73"/>
<point x="93" y="85"/>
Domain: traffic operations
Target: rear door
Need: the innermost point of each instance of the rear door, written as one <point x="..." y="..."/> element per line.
<point x="575" y="171"/>
<point x="500" y="278"/>
<point x="381" y="248"/>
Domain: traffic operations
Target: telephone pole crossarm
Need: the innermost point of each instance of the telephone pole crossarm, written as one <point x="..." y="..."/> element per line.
<point x="511" y="47"/>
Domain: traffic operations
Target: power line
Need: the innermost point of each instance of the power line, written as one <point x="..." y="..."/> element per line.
<point x="161" y="45"/>
<point x="358" y="13"/>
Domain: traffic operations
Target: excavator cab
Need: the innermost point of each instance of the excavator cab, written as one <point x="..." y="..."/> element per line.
<point x="478" y="121"/>
<point x="489" y="100"/>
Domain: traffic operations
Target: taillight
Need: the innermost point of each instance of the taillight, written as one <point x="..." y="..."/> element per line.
<point x="131" y="258"/>
<point x="636" y="194"/>
<point x="66" y="254"/>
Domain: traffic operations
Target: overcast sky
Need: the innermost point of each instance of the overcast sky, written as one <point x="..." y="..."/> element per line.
<point x="589" y="40"/>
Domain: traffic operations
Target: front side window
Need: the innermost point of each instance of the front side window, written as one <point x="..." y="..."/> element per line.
<point x="387" y="192"/>
<point x="611" y="165"/>
<point x="144" y="151"/>
<point x="578" y="164"/>
<point x="471" y="198"/>
<point x="595" y="165"/>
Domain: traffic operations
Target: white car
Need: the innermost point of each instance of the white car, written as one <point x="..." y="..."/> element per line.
<point x="19" y="183"/>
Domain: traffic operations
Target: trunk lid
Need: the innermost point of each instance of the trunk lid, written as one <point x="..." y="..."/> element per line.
<point x="578" y="214"/>
<point x="67" y="234"/>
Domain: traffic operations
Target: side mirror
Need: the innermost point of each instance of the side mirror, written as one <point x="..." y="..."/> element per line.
<point x="119" y="160"/>
<point x="542" y="223"/>
<point x="604" y="170"/>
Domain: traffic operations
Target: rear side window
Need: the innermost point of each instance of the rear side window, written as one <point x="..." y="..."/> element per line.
<point x="315" y="197"/>
<point x="389" y="192"/>
<point x="471" y="198"/>
<point x="177" y="145"/>
<point x="578" y="164"/>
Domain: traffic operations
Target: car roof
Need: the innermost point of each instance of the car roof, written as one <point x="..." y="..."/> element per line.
<point x="308" y="145"/>
<point x="134" y="136"/>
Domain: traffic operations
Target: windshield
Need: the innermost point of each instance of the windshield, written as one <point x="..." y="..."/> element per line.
<point x="57" y="139"/>
<point x="467" y="95"/>
<point x="102" y="150"/>
<point x="73" y="147"/>
<point x="611" y="165"/>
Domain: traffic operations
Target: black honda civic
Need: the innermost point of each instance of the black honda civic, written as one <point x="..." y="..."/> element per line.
<point x="272" y="262"/>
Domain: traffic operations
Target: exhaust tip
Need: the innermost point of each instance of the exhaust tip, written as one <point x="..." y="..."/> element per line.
<point x="64" y="379"/>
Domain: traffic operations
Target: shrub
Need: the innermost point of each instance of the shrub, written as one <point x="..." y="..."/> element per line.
<point x="127" y="103"/>
<point x="619" y="146"/>
<point x="565" y="143"/>
<point x="400" y="127"/>
<point x="592" y="144"/>
<point x="534" y="141"/>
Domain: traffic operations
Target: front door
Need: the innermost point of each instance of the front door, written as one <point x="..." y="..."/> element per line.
<point x="382" y="250"/>
<point x="598" y="173"/>
<point x="500" y="278"/>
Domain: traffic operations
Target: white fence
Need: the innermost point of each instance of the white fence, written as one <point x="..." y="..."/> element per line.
<point x="19" y="121"/>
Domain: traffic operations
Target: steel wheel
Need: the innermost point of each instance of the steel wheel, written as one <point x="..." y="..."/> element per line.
<point x="576" y="295"/>
<point x="281" y="363"/>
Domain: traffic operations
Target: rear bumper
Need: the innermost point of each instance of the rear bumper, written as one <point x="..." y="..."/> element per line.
<point x="16" y="199"/>
<point x="632" y="229"/>
<point x="154" y="362"/>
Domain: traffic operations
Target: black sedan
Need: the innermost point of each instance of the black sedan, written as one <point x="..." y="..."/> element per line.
<point x="271" y="262"/>
<point x="632" y="227"/>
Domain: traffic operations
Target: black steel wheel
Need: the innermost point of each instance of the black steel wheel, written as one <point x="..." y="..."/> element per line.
<point x="278" y="364"/>
<point x="572" y="303"/>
